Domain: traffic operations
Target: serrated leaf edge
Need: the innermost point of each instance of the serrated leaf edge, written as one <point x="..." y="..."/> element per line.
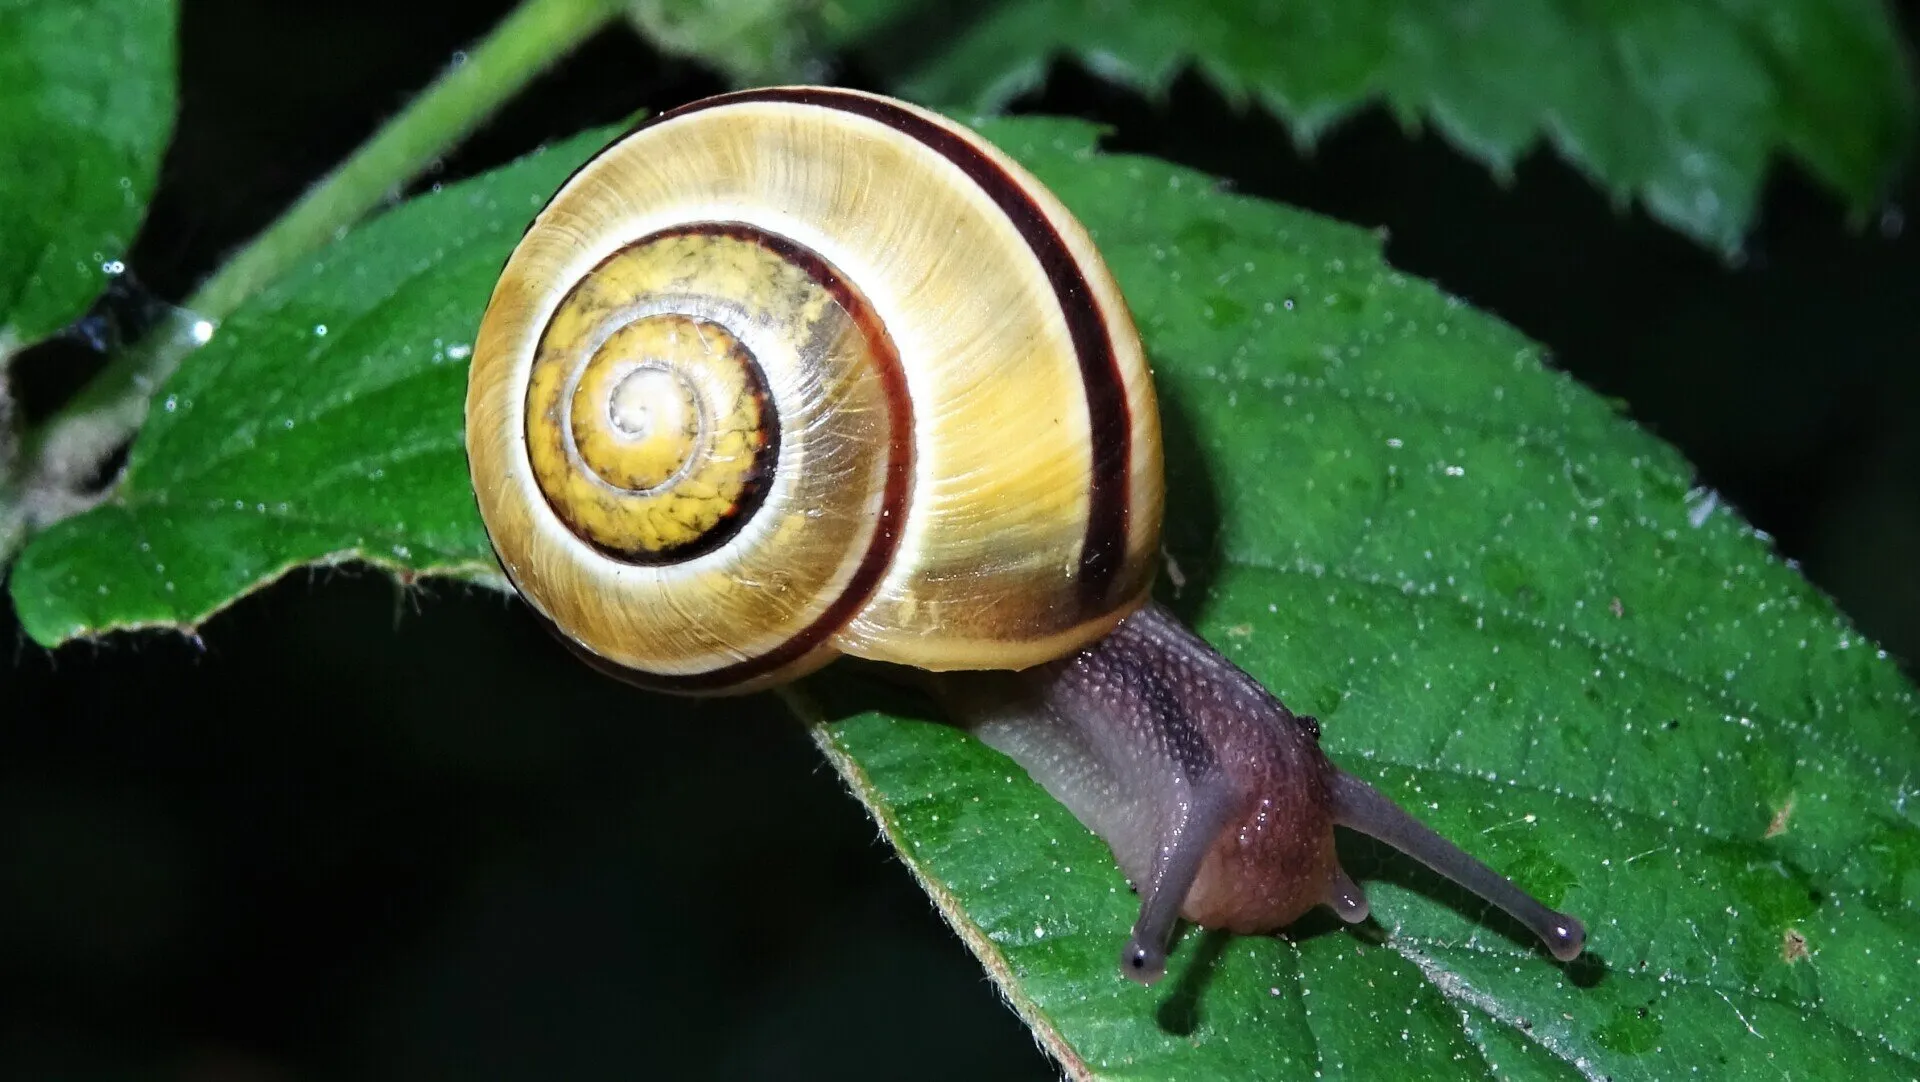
<point x="803" y="707"/>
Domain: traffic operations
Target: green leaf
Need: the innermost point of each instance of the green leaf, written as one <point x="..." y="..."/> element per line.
<point x="750" y="41"/>
<point x="85" y="114"/>
<point x="321" y="424"/>
<point x="847" y="21"/>
<point x="1679" y="105"/>
<point x="1510" y="608"/>
<point x="762" y="42"/>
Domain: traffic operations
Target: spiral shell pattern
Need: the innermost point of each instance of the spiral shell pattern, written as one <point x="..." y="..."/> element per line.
<point x="799" y="372"/>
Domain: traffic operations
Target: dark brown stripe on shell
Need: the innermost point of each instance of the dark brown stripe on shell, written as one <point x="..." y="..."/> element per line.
<point x="1110" y="419"/>
<point x="894" y="492"/>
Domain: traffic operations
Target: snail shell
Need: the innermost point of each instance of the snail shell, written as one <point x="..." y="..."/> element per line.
<point x="798" y="372"/>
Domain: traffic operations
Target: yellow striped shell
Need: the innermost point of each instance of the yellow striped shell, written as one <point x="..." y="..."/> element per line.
<point x="798" y="372"/>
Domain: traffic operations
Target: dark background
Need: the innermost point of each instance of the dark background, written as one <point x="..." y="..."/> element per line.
<point x="374" y="834"/>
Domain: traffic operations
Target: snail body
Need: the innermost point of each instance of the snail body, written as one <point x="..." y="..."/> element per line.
<point x="800" y="372"/>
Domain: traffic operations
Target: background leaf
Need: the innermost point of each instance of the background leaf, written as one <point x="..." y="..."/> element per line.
<point x="1509" y="607"/>
<point x="762" y="42"/>
<point x="86" y="108"/>
<point x="751" y="41"/>
<point x="1679" y="105"/>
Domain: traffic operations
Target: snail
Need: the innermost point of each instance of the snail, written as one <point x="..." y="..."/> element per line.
<point x="799" y="372"/>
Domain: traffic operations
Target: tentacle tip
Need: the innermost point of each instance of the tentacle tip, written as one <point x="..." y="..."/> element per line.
<point x="1564" y="936"/>
<point x="1346" y="898"/>
<point x="1141" y="964"/>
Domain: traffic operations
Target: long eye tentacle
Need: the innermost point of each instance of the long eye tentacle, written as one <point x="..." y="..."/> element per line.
<point x="1359" y="806"/>
<point x="1183" y="849"/>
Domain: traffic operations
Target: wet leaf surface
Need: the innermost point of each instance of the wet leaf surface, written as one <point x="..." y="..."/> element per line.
<point x="1510" y="608"/>
<point x="322" y="423"/>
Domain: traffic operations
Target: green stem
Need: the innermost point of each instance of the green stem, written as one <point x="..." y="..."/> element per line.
<point x="533" y="36"/>
<point x="113" y="405"/>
